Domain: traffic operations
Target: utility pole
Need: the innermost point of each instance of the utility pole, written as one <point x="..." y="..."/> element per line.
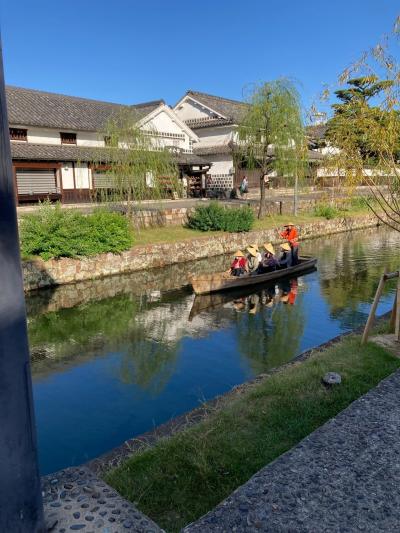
<point x="21" y="509"/>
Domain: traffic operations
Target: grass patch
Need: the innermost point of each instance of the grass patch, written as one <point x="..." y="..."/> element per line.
<point x="183" y="477"/>
<point x="171" y="234"/>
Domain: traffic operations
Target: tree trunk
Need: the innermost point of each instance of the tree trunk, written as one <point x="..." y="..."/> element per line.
<point x="262" y="210"/>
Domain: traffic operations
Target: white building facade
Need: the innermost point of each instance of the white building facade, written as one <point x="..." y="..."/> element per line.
<point x="214" y="120"/>
<point x="54" y="139"/>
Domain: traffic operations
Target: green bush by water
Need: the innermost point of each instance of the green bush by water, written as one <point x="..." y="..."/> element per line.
<point x="326" y="211"/>
<point x="214" y="217"/>
<point x="53" y="232"/>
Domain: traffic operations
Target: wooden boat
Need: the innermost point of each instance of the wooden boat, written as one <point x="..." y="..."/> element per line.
<point x="221" y="281"/>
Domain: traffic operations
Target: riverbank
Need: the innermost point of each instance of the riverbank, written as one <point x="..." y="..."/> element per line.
<point x="193" y="246"/>
<point x="197" y="468"/>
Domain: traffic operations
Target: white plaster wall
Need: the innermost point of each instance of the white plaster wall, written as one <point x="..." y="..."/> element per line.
<point x="163" y="123"/>
<point x="329" y="150"/>
<point x="189" y="109"/>
<point x="214" y="136"/>
<point x="82" y="177"/>
<point x="221" y="164"/>
<point x="52" y="136"/>
<point x="87" y="138"/>
<point x="43" y="136"/>
<point x="67" y="176"/>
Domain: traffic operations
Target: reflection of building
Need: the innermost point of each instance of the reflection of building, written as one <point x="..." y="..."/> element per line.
<point x="55" y="138"/>
<point x="169" y="322"/>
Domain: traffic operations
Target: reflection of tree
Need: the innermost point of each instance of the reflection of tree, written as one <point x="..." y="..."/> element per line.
<point x="70" y="331"/>
<point x="108" y="325"/>
<point x="272" y="336"/>
<point x="358" y="266"/>
<point x="149" y="364"/>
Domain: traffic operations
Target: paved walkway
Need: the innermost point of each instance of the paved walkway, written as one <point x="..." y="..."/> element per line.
<point x="76" y="500"/>
<point x="344" y="477"/>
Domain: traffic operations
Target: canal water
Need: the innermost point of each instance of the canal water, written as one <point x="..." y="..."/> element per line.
<point x="114" y="358"/>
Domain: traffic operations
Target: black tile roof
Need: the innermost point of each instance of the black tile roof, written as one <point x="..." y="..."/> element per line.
<point x="22" y="151"/>
<point x="28" y="107"/>
<point x="233" y="110"/>
<point x="198" y="123"/>
<point x="53" y="152"/>
<point x="192" y="159"/>
<point x="229" y="148"/>
<point x="213" y="150"/>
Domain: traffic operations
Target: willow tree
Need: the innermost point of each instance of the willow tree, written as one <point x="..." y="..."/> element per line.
<point x="365" y="129"/>
<point x="134" y="164"/>
<point x="271" y="136"/>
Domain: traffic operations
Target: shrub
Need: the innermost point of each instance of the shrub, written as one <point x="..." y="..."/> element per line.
<point x="326" y="211"/>
<point x="55" y="232"/>
<point x="215" y="217"/>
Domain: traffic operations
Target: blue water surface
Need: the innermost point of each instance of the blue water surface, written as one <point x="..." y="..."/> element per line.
<point x="110" y="368"/>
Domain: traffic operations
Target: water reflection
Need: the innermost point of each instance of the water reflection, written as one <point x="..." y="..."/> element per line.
<point x="112" y="358"/>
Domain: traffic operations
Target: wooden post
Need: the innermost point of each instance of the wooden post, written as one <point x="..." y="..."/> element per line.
<point x="372" y="312"/>
<point x="397" y="319"/>
<point x="393" y="313"/>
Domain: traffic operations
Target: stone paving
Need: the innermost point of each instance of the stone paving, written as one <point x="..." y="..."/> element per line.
<point x="76" y="500"/>
<point x="344" y="477"/>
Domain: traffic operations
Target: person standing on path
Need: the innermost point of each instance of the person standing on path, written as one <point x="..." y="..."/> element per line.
<point x="244" y="187"/>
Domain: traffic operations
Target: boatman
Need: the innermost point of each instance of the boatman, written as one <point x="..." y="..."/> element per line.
<point x="290" y="233"/>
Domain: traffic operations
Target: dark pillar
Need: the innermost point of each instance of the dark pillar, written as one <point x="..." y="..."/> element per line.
<point x="21" y="509"/>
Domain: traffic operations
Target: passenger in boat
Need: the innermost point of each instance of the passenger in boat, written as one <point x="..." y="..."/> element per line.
<point x="269" y="262"/>
<point x="259" y="256"/>
<point x="239" y="264"/>
<point x="290" y="233"/>
<point x="286" y="258"/>
<point x="252" y="260"/>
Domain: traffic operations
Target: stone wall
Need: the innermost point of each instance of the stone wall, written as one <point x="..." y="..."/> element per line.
<point x="150" y="218"/>
<point x="39" y="273"/>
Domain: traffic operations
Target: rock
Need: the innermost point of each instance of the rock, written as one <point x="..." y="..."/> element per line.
<point x="332" y="378"/>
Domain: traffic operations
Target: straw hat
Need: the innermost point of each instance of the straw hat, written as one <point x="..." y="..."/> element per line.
<point x="288" y="224"/>
<point x="255" y="246"/>
<point x="239" y="253"/>
<point x="268" y="246"/>
<point x="252" y="251"/>
<point x="253" y="310"/>
<point x="285" y="246"/>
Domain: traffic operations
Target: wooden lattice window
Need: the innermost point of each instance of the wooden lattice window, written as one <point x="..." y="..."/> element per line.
<point x="18" y="134"/>
<point x="67" y="138"/>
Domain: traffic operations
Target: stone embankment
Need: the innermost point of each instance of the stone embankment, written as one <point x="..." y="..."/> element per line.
<point x="38" y="273"/>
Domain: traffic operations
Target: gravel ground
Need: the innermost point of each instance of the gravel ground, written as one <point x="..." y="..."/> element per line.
<point x="344" y="477"/>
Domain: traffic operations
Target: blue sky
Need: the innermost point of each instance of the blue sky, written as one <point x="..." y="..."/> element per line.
<point x="133" y="51"/>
